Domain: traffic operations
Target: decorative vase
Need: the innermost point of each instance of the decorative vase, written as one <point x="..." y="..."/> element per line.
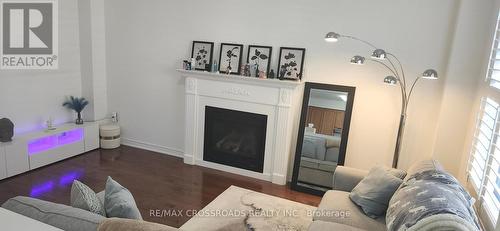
<point x="271" y="74"/>
<point x="79" y="119"/>
<point x="262" y="75"/>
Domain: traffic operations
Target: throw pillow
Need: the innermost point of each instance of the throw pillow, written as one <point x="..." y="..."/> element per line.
<point x="119" y="202"/>
<point x="401" y="174"/>
<point x="83" y="197"/>
<point x="373" y="193"/>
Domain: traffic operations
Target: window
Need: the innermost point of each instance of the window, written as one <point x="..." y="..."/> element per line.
<point x="494" y="64"/>
<point x="484" y="169"/>
<point x="484" y="164"/>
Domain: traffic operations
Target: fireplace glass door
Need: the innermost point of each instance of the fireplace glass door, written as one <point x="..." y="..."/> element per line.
<point x="235" y="138"/>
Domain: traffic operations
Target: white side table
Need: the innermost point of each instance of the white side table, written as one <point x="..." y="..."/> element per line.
<point x="11" y="221"/>
<point x="110" y="136"/>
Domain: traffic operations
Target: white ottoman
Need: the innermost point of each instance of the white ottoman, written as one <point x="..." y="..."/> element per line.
<point x="110" y="136"/>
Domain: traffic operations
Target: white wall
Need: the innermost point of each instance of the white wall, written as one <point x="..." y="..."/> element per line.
<point x="466" y="69"/>
<point x="93" y="58"/>
<point x="29" y="97"/>
<point x="146" y="41"/>
<point x="328" y="99"/>
<point x="327" y="103"/>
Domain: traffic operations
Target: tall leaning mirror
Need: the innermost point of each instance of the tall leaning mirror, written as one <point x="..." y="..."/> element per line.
<point x="322" y="138"/>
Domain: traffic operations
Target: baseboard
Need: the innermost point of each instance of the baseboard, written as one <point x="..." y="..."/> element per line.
<point x="152" y="147"/>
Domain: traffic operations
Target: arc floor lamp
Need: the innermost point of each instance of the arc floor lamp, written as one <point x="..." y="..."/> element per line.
<point x="396" y="77"/>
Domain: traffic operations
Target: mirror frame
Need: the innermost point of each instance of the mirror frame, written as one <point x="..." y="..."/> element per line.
<point x="303" y="116"/>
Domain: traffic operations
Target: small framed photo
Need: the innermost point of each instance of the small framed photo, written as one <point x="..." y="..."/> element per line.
<point x="260" y="56"/>
<point x="291" y="63"/>
<point x="230" y="58"/>
<point x="202" y="53"/>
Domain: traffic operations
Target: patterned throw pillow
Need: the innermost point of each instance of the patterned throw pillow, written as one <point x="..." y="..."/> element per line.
<point x="431" y="193"/>
<point x="83" y="197"/>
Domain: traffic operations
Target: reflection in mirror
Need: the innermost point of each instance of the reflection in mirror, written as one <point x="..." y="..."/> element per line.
<point x="325" y="118"/>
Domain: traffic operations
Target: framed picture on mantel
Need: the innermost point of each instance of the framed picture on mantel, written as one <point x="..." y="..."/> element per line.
<point x="291" y="63"/>
<point x="202" y="53"/>
<point x="230" y="58"/>
<point x="260" y="56"/>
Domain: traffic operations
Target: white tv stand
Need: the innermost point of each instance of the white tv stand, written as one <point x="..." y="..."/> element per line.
<point x="36" y="149"/>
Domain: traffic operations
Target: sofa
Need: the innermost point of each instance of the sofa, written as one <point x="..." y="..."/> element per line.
<point x="336" y="211"/>
<point x="320" y="154"/>
<point x="74" y="219"/>
<point x="321" y="147"/>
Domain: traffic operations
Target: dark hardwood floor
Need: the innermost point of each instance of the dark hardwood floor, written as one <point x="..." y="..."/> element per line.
<point x="157" y="181"/>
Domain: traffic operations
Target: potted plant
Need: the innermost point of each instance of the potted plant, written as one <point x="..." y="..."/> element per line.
<point x="77" y="104"/>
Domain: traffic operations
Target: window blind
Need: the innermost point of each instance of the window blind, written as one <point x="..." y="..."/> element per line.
<point x="494" y="64"/>
<point x="484" y="166"/>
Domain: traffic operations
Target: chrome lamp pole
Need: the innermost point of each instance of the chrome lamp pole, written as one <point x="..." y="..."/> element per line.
<point x="396" y="77"/>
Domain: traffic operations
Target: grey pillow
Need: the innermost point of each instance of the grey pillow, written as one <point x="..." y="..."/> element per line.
<point x="83" y="197"/>
<point x="401" y="174"/>
<point x="374" y="192"/>
<point x="119" y="202"/>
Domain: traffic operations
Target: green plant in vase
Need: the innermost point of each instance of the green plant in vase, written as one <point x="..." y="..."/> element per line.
<point x="77" y="104"/>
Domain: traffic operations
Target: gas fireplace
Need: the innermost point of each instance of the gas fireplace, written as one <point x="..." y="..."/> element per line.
<point x="235" y="138"/>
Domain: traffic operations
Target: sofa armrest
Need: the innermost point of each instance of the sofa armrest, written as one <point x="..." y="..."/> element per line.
<point x="57" y="215"/>
<point x="346" y="178"/>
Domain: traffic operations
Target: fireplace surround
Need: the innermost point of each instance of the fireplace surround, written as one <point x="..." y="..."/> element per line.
<point x="276" y="101"/>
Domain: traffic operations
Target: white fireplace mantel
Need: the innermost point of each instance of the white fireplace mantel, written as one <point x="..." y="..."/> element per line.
<point x="279" y="100"/>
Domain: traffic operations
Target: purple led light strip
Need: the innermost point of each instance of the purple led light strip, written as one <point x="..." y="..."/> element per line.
<point x="55" y="141"/>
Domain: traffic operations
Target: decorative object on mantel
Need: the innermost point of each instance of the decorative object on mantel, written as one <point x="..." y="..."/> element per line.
<point x="253" y="71"/>
<point x="291" y="63"/>
<point x="230" y="58"/>
<point x="6" y="130"/>
<point x="215" y="67"/>
<point x="242" y="78"/>
<point x="262" y="75"/>
<point x="261" y="57"/>
<point x="77" y="104"/>
<point x="202" y="52"/>
<point x="246" y="70"/>
<point x="186" y="65"/>
<point x="396" y="77"/>
<point x="271" y="74"/>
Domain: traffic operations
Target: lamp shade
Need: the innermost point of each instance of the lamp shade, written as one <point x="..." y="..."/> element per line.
<point x="358" y="60"/>
<point x="390" y="80"/>
<point x="379" y="54"/>
<point x="332" y="37"/>
<point x="430" y="74"/>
